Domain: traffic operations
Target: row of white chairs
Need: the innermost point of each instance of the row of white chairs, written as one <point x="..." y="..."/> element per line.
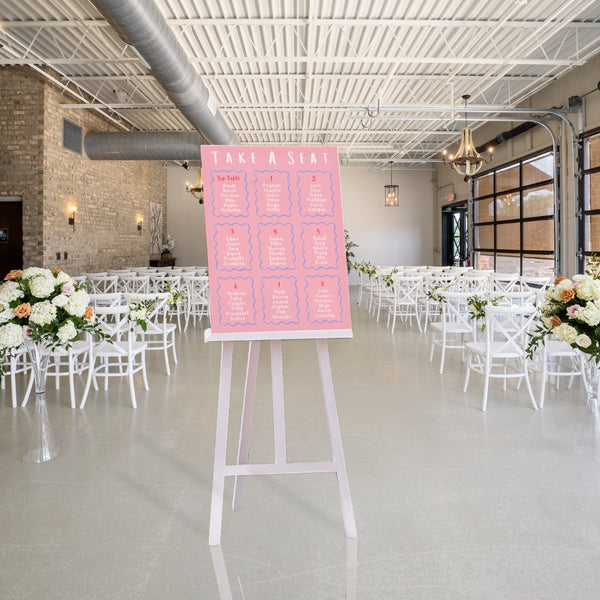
<point x="495" y="350"/>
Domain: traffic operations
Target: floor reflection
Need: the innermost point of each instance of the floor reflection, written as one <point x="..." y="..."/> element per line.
<point x="225" y="578"/>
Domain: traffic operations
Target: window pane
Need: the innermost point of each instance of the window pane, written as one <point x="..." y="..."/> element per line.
<point x="592" y="154"/>
<point x="508" y="206"/>
<point x="484" y="186"/>
<point x="484" y="236"/>
<point x="508" y="263"/>
<point x="507" y="179"/>
<point x="592" y="191"/>
<point x="483" y="210"/>
<point x="539" y="202"/>
<point x="538" y="266"/>
<point x="538" y="235"/>
<point x="508" y="236"/>
<point x="540" y="168"/>
<point x="484" y="261"/>
<point x="591" y="225"/>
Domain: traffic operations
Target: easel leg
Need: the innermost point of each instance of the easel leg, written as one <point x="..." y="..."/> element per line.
<point x="336" y="438"/>
<point x="278" y="407"/>
<point x="218" y="486"/>
<point x="246" y="424"/>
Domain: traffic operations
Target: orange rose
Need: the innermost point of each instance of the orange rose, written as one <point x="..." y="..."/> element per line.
<point x="559" y="279"/>
<point x="22" y="311"/>
<point x="12" y="274"/>
<point x="56" y="271"/>
<point x="89" y="313"/>
<point x="555" y="321"/>
<point x="567" y="295"/>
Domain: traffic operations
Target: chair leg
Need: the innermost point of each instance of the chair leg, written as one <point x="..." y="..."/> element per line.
<point x="468" y="371"/>
<point x="528" y="384"/>
<point x="486" y="385"/>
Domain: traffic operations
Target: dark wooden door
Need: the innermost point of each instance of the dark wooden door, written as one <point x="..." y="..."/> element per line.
<point x="11" y="235"/>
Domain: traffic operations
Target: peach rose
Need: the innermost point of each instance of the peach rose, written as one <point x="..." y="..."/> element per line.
<point x="89" y="313"/>
<point x="22" y="311"/>
<point x="555" y="321"/>
<point x="12" y="274"/>
<point x="567" y="295"/>
<point x="559" y="279"/>
<point x="56" y="271"/>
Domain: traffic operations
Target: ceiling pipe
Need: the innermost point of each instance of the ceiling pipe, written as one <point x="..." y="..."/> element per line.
<point x="140" y="24"/>
<point x="144" y="145"/>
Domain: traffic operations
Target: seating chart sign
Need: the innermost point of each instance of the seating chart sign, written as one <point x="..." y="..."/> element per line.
<point x="275" y="234"/>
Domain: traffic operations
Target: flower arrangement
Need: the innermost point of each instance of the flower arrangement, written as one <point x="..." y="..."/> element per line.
<point x="168" y="245"/>
<point x="388" y="278"/>
<point x="478" y="304"/>
<point x="366" y="268"/>
<point x="570" y="312"/>
<point x="42" y="306"/>
<point x="139" y="311"/>
<point x="349" y="253"/>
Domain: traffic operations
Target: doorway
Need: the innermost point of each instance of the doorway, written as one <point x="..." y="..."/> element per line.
<point x="11" y="234"/>
<point x="454" y="235"/>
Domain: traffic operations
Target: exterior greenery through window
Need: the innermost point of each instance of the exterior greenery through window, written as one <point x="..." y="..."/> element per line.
<point x="589" y="195"/>
<point x="513" y="217"/>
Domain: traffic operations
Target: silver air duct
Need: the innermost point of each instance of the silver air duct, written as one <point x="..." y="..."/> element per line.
<point x="142" y="145"/>
<point x="140" y="24"/>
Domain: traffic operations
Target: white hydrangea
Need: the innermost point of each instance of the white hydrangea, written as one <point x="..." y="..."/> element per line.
<point x="42" y="287"/>
<point x="11" y="335"/>
<point x="590" y="314"/>
<point x="67" y="332"/>
<point x="6" y="315"/>
<point x="588" y="288"/>
<point x="583" y="340"/>
<point x="565" y="333"/>
<point x="42" y="313"/>
<point x="138" y="314"/>
<point x="10" y="291"/>
<point x="62" y="278"/>
<point x="78" y="302"/>
<point x="60" y="300"/>
<point x="36" y="272"/>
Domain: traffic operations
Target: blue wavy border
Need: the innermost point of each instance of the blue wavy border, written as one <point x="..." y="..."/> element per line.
<point x="307" y="214"/>
<point x="289" y="187"/>
<point x="335" y="247"/>
<point x="243" y="225"/>
<point x="262" y="288"/>
<point x="237" y="324"/>
<point x="212" y="201"/>
<point x="287" y="225"/>
<point x="339" y="294"/>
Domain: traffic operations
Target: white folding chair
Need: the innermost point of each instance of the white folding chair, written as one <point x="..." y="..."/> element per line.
<point x="502" y="353"/>
<point x="122" y="355"/>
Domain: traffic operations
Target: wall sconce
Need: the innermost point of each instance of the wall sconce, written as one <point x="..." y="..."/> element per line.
<point x="140" y="222"/>
<point x="72" y="210"/>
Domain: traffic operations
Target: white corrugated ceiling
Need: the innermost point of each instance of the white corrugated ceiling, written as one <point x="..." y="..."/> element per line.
<point x="306" y="71"/>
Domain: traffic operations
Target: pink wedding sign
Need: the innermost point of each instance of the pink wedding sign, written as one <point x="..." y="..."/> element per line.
<point x="275" y="234"/>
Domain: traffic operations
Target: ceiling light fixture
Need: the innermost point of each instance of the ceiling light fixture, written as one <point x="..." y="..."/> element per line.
<point x="467" y="161"/>
<point x="391" y="191"/>
<point x="196" y="189"/>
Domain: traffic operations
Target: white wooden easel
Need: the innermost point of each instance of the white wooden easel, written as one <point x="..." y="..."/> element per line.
<point x="242" y="468"/>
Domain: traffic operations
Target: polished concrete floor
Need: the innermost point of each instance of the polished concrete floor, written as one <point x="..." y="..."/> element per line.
<point x="450" y="502"/>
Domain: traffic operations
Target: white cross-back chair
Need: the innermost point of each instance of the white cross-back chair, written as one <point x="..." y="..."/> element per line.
<point x="175" y="284"/>
<point x="404" y="301"/>
<point x="17" y="364"/>
<point x="103" y="283"/>
<point x="197" y="299"/>
<point x="504" y="282"/>
<point x="122" y="355"/>
<point x="559" y="359"/>
<point x="159" y="334"/>
<point x="430" y="307"/>
<point x="502" y="352"/>
<point x="455" y="327"/>
<point x="135" y="284"/>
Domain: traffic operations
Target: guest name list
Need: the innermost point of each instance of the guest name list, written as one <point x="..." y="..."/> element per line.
<point x="276" y="251"/>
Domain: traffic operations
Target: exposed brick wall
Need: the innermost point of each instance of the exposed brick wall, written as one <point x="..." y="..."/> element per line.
<point x="109" y="195"/>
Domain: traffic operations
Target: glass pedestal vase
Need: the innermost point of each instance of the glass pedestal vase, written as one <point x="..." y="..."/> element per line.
<point x="42" y="444"/>
<point x="589" y="439"/>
